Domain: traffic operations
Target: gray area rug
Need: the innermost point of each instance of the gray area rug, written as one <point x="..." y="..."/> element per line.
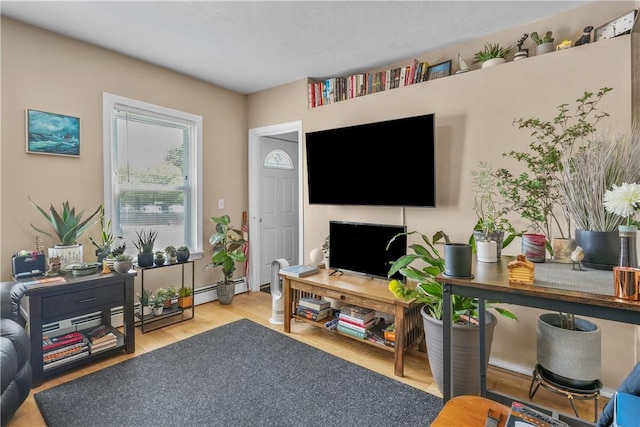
<point x="240" y="374"/>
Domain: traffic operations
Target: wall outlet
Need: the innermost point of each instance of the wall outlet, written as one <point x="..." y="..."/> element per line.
<point x="220" y="203"/>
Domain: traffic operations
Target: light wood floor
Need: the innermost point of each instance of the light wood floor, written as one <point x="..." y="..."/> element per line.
<point x="257" y="307"/>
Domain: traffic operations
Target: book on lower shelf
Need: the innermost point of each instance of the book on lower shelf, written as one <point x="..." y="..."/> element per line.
<point x="522" y="416"/>
<point x="364" y="314"/>
<point x="105" y="345"/>
<point x="64" y="352"/>
<point x="314" y="303"/>
<point x="299" y="270"/>
<point x="350" y="331"/>
<point x="312" y="314"/>
<point x="99" y="334"/>
<point x="49" y="344"/>
<point x="69" y="359"/>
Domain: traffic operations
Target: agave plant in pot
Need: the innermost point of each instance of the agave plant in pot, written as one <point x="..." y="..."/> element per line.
<point x="492" y="54"/>
<point x="421" y="268"/>
<point x="144" y="244"/>
<point x="67" y="226"/>
<point x="228" y="244"/>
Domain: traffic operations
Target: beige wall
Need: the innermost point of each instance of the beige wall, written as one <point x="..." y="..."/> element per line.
<point x="474" y="114"/>
<point x="48" y="72"/>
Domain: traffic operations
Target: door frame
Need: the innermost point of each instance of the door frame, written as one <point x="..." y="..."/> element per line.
<point x="254" y="201"/>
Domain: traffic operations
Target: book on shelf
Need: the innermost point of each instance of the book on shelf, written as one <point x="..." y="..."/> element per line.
<point x="314" y="303"/>
<point x="69" y="359"/>
<point x="53" y="280"/>
<point x="362" y="313"/>
<point x="106" y="345"/>
<point x="106" y="338"/>
<point x="354" y="320"/>
<point x="49" y="344"/>
<point x="312" y="314"/>
<point x="96" y="334"/>
<point x="350" y="331"/>
<point x="300" y="270"/>
<point x="357" y="325"/>
<point x="522" y="416"/>
<point x="64" y="352"/>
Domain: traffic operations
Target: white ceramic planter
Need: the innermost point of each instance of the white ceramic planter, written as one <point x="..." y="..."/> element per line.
<point x="487" y="251"/>
<point x="68" y="254"/>
<point x="544" y="48"/>
<point x="493" y="61"/>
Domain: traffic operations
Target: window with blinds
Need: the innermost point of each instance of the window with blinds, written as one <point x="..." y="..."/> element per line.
<point x="154" y="174"/>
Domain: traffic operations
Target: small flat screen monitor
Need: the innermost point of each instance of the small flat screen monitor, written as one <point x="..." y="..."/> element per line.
<point x="362" y="247"/>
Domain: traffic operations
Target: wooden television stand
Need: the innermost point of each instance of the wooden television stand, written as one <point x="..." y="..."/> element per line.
<point x="363" y="292"/>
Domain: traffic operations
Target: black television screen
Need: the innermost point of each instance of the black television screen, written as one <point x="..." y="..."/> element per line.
<point x="362" y="248"/>
<point x="388" y="163"/>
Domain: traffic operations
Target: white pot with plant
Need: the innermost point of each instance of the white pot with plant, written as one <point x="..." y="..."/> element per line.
<point x="465" y="332"/>
<point x="146" y="302"/>
<point x="543" y="44"/>
<point x="489" y="233"/>
<point x="68" y="226"/>
<point x="492" y="54"/>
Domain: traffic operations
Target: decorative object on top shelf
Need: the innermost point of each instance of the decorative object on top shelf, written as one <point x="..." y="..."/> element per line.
<point x="144" y="244"/>
<point x="465" y="331"/>
<point x="538" y="194"/>
<point x="443" y="69"/>
<point x="462" y="65"/>
<point x="172" y="254"/>
<point x="67" y="227"/>
<point x="586" y="36"/>
<point x="623" y="24"/>
<point x="564" y="44"/>
<point x="228" y="244"/>
<point x="182" y="254"/>
<point x="522" y="52"/>
<point x="492" y="54"/>
<point x="544" y="44"/>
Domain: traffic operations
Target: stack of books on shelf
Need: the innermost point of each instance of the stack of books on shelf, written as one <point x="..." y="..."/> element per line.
<point x="338" y="89"/>
<point x="63" y="349"/>
<point x="356" y="321"/>
<point x="101" y="338"/>
<point x="313" y="308"/>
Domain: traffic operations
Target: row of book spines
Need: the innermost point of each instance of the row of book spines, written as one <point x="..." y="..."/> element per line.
<point x="64" y="352"/>
<point x="338" y="89"/>
<point x="354" y="322"/>
<point x="311" y="314"/>
<point x="361" y="315"/>
<point x="350" y="331"/>
<point x="314" y="303"/>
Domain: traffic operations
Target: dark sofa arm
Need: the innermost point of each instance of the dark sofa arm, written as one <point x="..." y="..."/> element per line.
<point x="10" y="295"/>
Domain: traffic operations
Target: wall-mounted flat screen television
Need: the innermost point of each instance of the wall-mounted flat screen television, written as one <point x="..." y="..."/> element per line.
<point x="357" y="247"/>
<point x="388" y="163"/>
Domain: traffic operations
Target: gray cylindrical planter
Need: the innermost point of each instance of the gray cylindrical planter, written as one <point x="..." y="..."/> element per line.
<point x="457" y="260"/>
<point x="572" y="356"/>
<point x="465" y="353"/>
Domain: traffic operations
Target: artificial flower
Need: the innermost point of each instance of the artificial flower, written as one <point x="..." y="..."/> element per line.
<point x="623" y="200"/>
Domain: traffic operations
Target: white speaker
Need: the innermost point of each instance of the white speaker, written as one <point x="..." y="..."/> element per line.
<point x="277" y="297"/>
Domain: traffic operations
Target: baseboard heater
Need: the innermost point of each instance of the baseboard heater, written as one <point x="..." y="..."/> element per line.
<point x="202" y="295"/>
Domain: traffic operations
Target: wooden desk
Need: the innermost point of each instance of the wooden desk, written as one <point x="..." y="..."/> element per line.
<point x="491" y="282"/>
<point x="469" y="411"/>
<point x="364" y="292"/>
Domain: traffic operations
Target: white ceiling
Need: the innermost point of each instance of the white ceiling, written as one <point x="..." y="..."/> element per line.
<point x="248" y="46"/>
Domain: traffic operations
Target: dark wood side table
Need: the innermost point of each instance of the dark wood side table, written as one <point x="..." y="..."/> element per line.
<point x="48" y="303"/>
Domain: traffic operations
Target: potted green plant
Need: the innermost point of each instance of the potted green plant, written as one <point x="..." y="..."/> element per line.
<point x="158" y="302"/>
<point x="228" y="244"/>
<point x="536" y="194"/>
<point x="144" y="244"/>
<point x="172" y="254"/>
<point x="123" y="263"/>
<point x="185" y="297"/>
<point x="492" y="221"/>
<point x="67" y="227"/>
<point x="543" y="44"/>
<point x="146" y="301"/>
<point x="492" y="54"/>
<point x="429" y="292"/>
<point x="182" y="253"/>
<point x="170" y="294"/>
<point x="159" y="258"/>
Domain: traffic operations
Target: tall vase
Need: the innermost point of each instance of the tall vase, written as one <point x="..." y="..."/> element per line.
<point x="626" y="276"/>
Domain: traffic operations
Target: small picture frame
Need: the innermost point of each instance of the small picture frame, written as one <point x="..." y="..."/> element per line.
<point x="443" y="69"/>
<point x="51" y="133"/>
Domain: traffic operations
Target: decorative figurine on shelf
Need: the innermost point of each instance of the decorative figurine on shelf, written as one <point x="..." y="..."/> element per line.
<point x="576" y="258"/>
<point x="586" y="36"/>
<point x="521" y="271"/>
<point x="564" y="44"/>
<point x="105" y="267"/>
<point x="521" y="53"/>
<point x="462" y="65"/>
<point x="54" y="266"/>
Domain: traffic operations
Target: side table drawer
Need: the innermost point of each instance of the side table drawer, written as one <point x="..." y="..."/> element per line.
<point x="71" y="302"/>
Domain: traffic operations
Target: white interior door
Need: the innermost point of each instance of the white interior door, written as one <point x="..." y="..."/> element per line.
<point x="278" y="203"/>
<point x="275" y="198"/>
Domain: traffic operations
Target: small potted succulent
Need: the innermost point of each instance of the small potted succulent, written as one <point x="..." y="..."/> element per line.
<point x="158" y="303"/>
<point x="146" y="300"/>
<point x="183" y="253"/>
<point x="185" y="297"/>
<point x="492" y="54"/>
<point x="144" y="244"/>
<point x="159" y="258"/>
<point x="123" y="263"/>
<point x="172" y="254"/>
<point x="543" y="44"/>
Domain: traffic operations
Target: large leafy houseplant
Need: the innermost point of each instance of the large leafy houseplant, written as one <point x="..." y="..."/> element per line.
<point x="536" y="193"/>
<point x="67" y="225"/>
<point x="228" y="244"/>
